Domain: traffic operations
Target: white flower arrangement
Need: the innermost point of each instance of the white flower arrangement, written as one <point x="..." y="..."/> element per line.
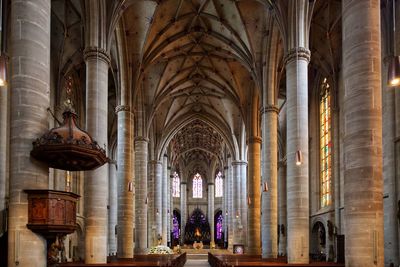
<point x="160" y="250"/>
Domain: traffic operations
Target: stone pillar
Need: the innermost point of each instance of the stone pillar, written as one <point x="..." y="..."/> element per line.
<point x="169" y="208"/>
<point x="96" y="182"/>
<point x="158" y="199"/>
<point x="151" y="228"/>
<point x="126" y="200"/>
<point x="254" y="195"/>
<point x="243" y="201"/>
<point x="391" y="232"/>
<point x="183" y="210"/>
<point x="363" y="181"/>
<point x="231" y="213"/>
<point x="269" y="219"/>
<point x="4" y="144"/>
<point x="113" y="208"/>
<point x="297" y="142"/>
<point x="225" y="205"/>
<point x="282" y="208"/>
<point x="211" y="208"/>
<point x="236" y="214"/>
<point x="30" y="98"/>
<point x="141" y="200"/>
<point x="165" y="190"/>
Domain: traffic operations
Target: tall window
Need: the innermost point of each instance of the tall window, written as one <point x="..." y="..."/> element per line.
<point x="176" y="185"/>
<point x="218" y="185"/>
<point x="197" y="186"/>
<point x="175" y="226"/>
<point x="325" y="145"/>
<point x="219" y="226"/>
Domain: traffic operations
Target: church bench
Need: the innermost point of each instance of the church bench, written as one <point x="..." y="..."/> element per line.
<point x="138" y="260"/>
<point x="256" y="260"/>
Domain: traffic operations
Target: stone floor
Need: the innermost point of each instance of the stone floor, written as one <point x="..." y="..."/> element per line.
<point x="196" y="259"/>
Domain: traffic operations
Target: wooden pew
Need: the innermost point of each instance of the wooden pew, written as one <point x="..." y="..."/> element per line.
<point x="256" y="260"/>
<point x="139" y="260"/>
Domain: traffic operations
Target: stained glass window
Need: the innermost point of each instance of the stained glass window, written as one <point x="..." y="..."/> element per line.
<point x="219" y="227"/>
<point x="176" y="185"/>
<point x="175" y="227"/>
<point x="197" y="186"/>
<point x="218" y="185"/>
<point x="325" y="145"/>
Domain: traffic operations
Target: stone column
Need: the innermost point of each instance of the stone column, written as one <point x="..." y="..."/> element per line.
<point x="282" y="208"/>
<point x="362" y="133"/>
<point x="30" y="98"/>
<point x="126" y="200"/>
<point x="211" y="208"/>
<point x="113" y="208"/>
<point x="243" y="201"/>
<point x="231" y="213"/>
<point x="96" y="182"/>
<point x="164" y="214"/>
<point x="151" y="228"/>
<point x="141" y="200"/>
<point x="254" y="193"/>
<point x="391" y="232"/>
<point x="158" y="199"/>
<point x="4" y="144"/>
<point x="225" y="205"/>
<point x="236" y="214"/>
<point x="169" y="209"/>
<point x="269" y="219"/>
<point x="183" y="210"/>
<point x="171" y="206"/>
<point x="297" y="142"/>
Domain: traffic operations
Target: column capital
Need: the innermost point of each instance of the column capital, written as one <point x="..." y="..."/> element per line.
<point x="122" y="108"/>
<point x="141" y="138"/>
<point x="254" y="139"/>
<point x="300" y="53"/>
<point x="155" y="162"/>
<point x="269" y="108"/>
<point x="210" y="184"/>
<point x="92" y="52"/>
<point x="112" y="161"/>
<point x="282" y="163"/>
<point x="239" y="163"/>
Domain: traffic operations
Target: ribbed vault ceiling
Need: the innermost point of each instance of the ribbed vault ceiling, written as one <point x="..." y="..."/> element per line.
<point x="197" y="56"/>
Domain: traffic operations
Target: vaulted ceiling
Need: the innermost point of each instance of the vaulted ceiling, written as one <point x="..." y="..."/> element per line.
<point x="197" y="57"/>
<point x="193" y="59"/>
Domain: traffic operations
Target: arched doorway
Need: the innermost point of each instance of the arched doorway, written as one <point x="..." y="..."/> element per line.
<point x="318" y="242"/>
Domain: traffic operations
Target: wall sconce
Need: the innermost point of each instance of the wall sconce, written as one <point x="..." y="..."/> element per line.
<point x="394" y="61"/>
<point x="168" y="211"/>
<point x="265" y="186"/>
<point x="237" y="214"/>
<point x="130" y="187"/>
<point x="299" y="158"/>
<point x="394" y="71"/>
<point x="157" y="212"/>
<point x="3" y="70"/>
<point x="146" y="200"/>
<point x="248" y="201"/>
<point x="226" y="213"/>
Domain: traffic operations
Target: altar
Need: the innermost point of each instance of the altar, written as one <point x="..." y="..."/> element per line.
<point x="197" y="230"/>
